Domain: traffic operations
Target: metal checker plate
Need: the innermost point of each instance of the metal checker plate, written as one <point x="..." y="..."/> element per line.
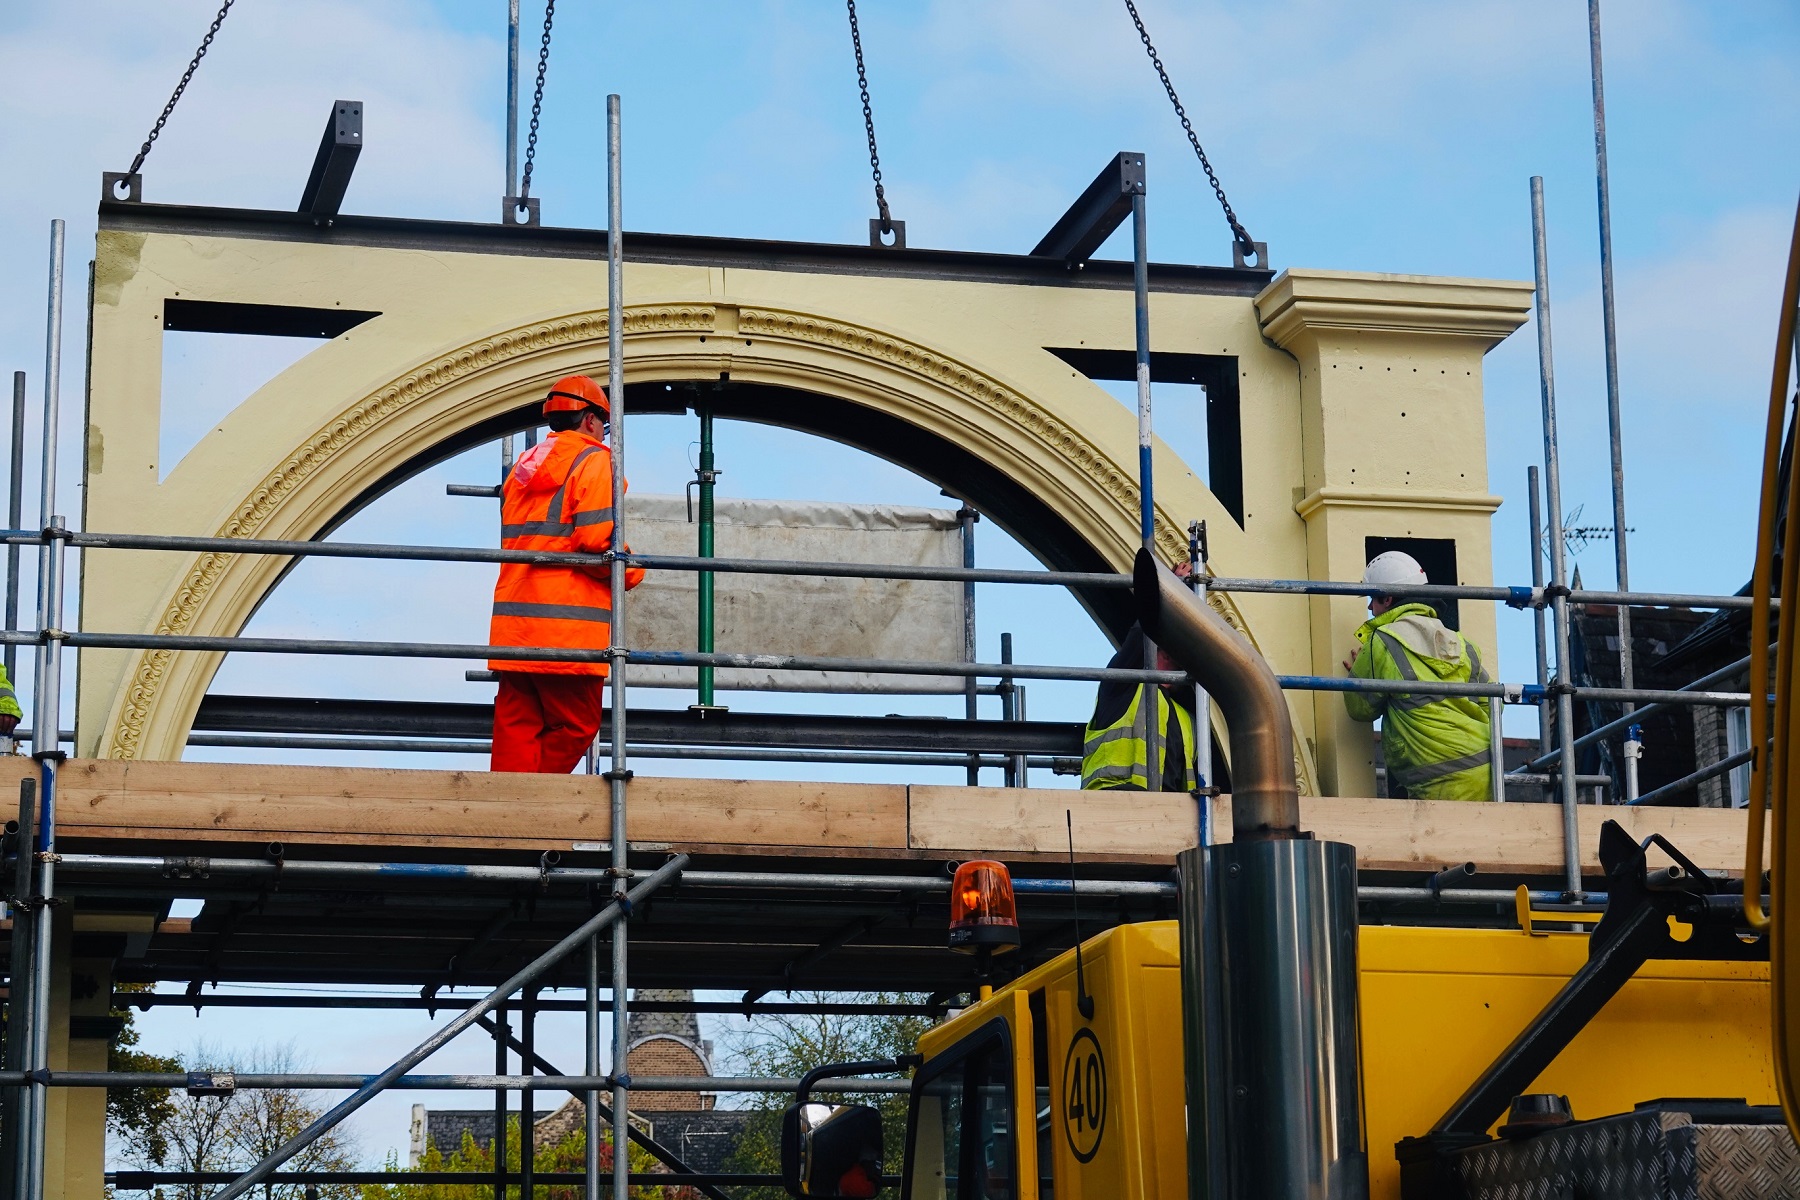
<point x="1637" y="1156"/>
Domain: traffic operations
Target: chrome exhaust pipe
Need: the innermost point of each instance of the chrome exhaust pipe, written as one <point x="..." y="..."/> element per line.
<point x="1265" y="794"/>
<point x="1271" y="1029"/>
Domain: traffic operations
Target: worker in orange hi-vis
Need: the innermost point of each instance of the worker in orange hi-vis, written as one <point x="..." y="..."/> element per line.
<point x="558" y="497"/>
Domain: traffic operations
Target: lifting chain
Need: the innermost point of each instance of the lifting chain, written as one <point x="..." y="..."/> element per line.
<point x="537" y="100"/>
<point x="862" y="82"/>
<point x="156" y="130"/>
<point x="1238" y="232"/>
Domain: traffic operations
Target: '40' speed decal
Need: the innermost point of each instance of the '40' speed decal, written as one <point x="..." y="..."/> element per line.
<point x="1084" y="1095"/>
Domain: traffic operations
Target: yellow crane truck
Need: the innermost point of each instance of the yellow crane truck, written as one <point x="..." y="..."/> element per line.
<point x="1266" y="1046"/>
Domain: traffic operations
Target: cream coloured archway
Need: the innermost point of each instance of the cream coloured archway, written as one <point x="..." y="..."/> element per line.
<point x="466" y="335"/>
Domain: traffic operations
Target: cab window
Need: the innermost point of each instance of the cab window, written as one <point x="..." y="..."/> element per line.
<point x="961" y="1146"/>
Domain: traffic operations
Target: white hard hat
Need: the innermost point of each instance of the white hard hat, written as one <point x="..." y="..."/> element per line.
<point x="1394" y="568"/>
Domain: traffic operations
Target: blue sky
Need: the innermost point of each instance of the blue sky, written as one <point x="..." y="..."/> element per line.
<point x="1384" y="137"/>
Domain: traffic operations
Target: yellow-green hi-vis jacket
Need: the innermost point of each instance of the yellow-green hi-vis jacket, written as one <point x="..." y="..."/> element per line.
<point x="9" y="701"/>
<point x="1117" y="755"/>
<point x="1436" y="747"/>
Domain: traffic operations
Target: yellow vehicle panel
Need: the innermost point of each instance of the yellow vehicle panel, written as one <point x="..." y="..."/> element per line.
<point x="1439" y="1005"/>
<point x="1106" y="1097"/>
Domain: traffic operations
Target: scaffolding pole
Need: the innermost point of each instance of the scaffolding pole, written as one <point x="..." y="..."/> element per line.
<point x="512" y="130"/>
<point x="620" y="773"/>
<point x="1540" y="642"/>
<point x="1565" y="712"/>
<point x="15" y="513"/>
<point x="609" y="916"/>
<point x="1513" y="596"/>
<point x="46" y="698"/>
<point x="1609" y="327"/>
<point x="965" y="523"/>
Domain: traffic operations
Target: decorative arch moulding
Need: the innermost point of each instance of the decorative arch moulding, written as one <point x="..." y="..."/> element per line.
<point x="159" y="694"/>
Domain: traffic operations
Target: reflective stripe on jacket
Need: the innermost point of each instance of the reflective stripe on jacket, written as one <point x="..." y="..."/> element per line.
<point x="1436" y="747"/>
<point x="558" y="497"/>
<point x="1115" y="756"/>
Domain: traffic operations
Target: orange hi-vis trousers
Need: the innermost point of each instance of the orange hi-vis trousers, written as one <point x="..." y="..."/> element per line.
<point x="545" y="723"/>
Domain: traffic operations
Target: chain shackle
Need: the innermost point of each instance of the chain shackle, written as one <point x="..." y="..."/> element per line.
<point x="175" y="97"/>
<point x="862" y="83"/>
<point x="1238" y="233"/>
<point x="537" y="100"/>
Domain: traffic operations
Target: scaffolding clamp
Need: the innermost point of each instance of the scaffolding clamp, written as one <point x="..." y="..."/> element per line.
<point x="187" y="868"/>
<point x="1524" y="597"/>
<point x="211" y="1083"/>
<point x="624" y="775"/>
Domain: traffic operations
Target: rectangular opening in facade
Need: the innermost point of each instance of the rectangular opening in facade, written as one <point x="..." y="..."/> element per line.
<point x="1216" y="374"/>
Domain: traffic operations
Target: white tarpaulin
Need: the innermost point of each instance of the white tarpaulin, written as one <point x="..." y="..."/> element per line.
<point x="800" y="614"/>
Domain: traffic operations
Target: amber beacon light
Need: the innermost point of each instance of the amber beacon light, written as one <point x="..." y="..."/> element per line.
<point x="983" y="915"/>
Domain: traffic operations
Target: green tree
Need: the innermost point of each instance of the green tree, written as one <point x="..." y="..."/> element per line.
<point x="567" y="1154"/>
<point x="138" y="1116"/>
<point x="259" y="1121"/>
<point x="789" y="1045"/>
<point x="234" y="1131"/>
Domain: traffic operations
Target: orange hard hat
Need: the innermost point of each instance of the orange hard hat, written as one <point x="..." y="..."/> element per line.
<point x="572" y="393"/>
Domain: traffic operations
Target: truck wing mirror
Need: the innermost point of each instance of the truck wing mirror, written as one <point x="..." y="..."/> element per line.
<point x="831" y="1152"/>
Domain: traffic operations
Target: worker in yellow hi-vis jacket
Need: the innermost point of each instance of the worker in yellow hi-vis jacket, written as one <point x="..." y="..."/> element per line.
<point x="1436" y="747"/>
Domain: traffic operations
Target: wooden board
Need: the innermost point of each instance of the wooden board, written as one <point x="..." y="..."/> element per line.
<point x="1390" y="835"/>
<point x="176" y="802"/>
<point x="101" y="798"/>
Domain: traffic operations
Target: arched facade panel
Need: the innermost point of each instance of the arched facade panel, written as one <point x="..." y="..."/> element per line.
<point x="961" y="362"/>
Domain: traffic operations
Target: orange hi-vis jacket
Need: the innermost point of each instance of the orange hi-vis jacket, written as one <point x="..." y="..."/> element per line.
<point x="558" y="497"/>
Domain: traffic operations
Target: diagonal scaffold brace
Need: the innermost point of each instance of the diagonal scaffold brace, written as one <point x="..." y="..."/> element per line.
<point x="526" y="975"/>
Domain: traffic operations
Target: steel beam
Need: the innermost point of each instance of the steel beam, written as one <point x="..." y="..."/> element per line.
<point x="334" y="163"/>
<point x="1100" y="209"/>
<point x="649" y="726"/>
<point x="470" y="237"/>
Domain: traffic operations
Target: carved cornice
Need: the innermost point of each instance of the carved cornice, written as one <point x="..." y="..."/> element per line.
<point x="1423" y="500"/>
<point x="1298" y="302"/>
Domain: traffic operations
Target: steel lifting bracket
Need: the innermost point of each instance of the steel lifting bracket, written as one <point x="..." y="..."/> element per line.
<point x="121" y="187"/>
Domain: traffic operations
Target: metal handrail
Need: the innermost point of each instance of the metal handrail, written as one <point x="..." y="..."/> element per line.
<point x="1524" y="597"/>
